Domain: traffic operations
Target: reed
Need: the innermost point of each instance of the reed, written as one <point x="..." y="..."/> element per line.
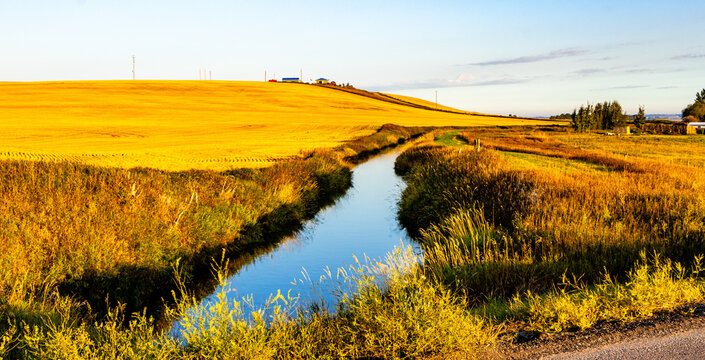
<point x="495" y="223"/>
<point x="394" y="312"/>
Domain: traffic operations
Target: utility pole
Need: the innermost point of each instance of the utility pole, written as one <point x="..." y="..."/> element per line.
<point x="210" y="75"/>
<point x="199" y="73"/>
<point x="301" y="78"/>
<point x="265" y="76"/>
<point x="436" y="99"/>
<point x="133" y="67"/>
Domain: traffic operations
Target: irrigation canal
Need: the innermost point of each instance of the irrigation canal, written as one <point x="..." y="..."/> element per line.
<point x="360" y="224"/>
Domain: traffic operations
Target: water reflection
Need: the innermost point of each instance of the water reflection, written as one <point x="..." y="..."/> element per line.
<point x="361" y="224"/>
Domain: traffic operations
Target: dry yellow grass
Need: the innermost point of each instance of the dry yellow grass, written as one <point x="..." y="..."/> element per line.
<point x="178" y="125"/>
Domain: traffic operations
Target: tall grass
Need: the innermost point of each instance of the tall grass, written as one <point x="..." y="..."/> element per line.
<point x="443" y="179"/>
<point x="394" y="313"/>
<point x="106" y="237"/>
<point x="385" y="309"/>
<point x="551" y="233"/>
<point x="492" y="229"/>
<point x="652" y="285"/>
<point x="489" y="230"/>
<point x="98" y="231"/>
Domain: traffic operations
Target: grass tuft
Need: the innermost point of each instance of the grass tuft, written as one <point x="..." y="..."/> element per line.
<point x="654" y="285"/>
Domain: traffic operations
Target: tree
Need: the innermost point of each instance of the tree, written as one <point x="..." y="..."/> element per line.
<point x="640" y="118"/>
<point x="561" y="116"/>
<point x="618" y="117"/>
<point x="606" y="115"/>
<point x="600" y="115"/>
<point x="580" y="120"/>
<point x="583" y="119"/>
<point x="574" y="121"/>
<point x="695" y="110"/>
<point x="700" y="97"/>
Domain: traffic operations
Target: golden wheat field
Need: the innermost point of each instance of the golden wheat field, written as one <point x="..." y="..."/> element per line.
<point x="178" y="125"/>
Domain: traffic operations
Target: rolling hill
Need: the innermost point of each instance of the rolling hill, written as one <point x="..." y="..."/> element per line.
<point x="178" y="125"/>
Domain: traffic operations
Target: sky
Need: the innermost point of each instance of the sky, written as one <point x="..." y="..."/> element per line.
<point x="530" y="58"/>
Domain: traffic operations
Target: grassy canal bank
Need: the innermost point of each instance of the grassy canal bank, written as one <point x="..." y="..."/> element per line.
<point x="497" y="262"/>
<point x="82" y="241"/>
<point x="544" y="229"/>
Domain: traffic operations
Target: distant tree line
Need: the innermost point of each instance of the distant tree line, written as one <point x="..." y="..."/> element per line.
<point x="563" y="116"/>
<point x="695" y="111"/>
<point x="606" y="115"/>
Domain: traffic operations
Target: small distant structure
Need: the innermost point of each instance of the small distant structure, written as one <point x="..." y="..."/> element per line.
<point x="272" y="80"/>
<point x="695" y="128"/>
<point x="322" y="81"/>
<point x="291" y="80"/>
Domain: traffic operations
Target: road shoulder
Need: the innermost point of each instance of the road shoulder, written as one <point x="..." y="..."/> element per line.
<point x="662" y="324"/>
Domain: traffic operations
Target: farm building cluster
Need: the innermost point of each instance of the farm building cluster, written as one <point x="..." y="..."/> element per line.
<point x="319" y="81"/>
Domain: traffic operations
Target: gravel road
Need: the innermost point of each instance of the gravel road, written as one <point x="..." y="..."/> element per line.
<point x="682" y="345"/>
<point x="678" y="334"/>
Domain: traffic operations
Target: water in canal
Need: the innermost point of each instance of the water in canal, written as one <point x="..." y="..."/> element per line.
<point x="361" y="223"/>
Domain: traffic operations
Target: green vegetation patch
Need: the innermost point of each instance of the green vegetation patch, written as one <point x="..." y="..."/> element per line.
<point x="450" y="138"/>
<point x="524" y="161"/>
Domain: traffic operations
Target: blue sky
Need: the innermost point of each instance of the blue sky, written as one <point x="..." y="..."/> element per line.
<point x="529" y="58"/>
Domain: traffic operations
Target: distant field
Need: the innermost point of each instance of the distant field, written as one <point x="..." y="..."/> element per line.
<point x="178" y="125"/>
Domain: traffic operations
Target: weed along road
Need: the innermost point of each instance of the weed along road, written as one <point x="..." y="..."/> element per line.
<point x="361" y="224"/>
<point x="682" y="345"/>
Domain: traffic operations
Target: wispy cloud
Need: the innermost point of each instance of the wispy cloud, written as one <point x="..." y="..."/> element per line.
<point x="688" y="56"/>
<point x="627" y="87"/>
<point x="625" y="44"/>
<point x="639" y="71"/>
<point x="506" y="81"/>
<point x="533" y="58"/>
<point x="586" y="72"/>
<point x="619" y="70"/>
<point x="667" y="87"/>
<point x="461" y="81"/>
<point x="622" y="87"/>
